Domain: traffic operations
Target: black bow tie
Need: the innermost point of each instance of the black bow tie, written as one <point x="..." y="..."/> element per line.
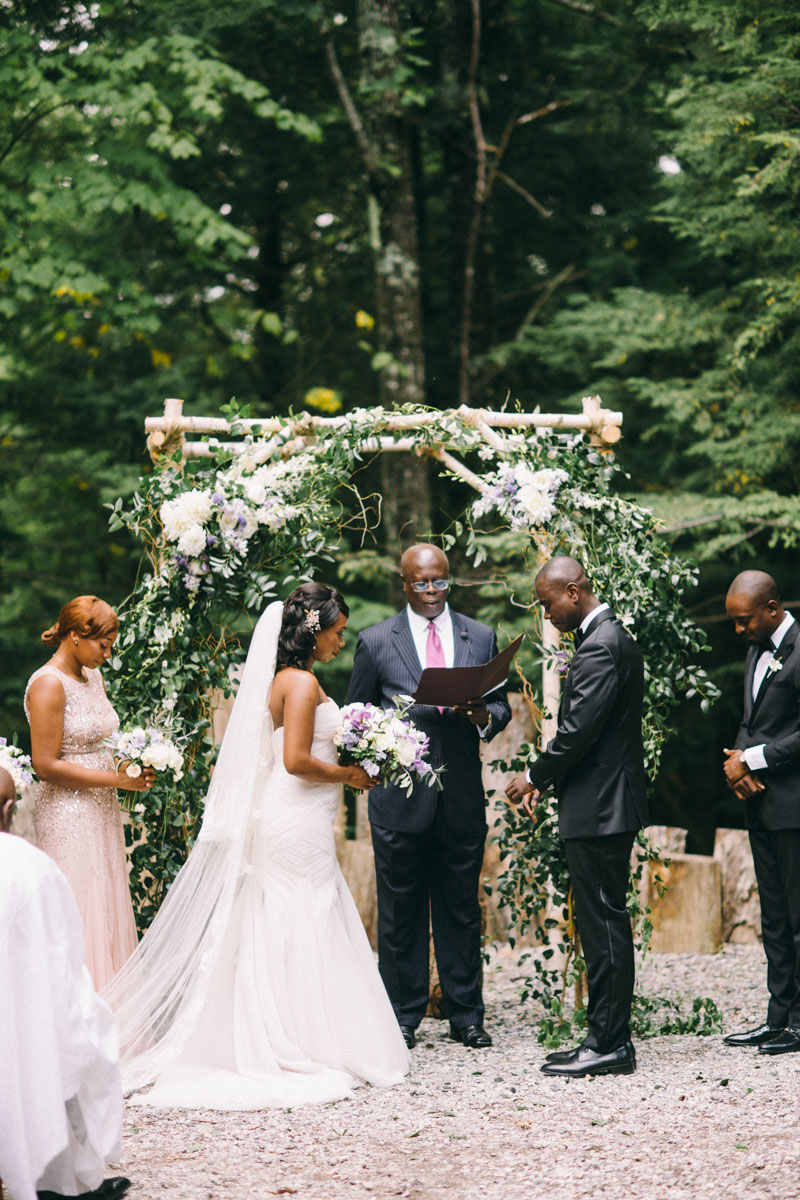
<point x="578" y="637"/>
<point x="765" y="645"/>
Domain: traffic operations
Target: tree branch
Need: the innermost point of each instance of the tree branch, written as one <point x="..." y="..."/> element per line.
<point x="348" y="104"/>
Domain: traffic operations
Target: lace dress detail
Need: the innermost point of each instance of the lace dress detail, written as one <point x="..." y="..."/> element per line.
<point x="81" y="829"/>
<point x="291" y="1010"/>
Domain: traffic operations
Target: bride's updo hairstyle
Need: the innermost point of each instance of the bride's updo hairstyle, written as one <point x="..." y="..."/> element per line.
<point x="299" y="628"/>
<point x="88" y="616"/>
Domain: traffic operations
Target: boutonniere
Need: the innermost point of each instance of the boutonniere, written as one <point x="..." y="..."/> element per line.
<point x="563" y="658"/>
<point x="774" y="665"/>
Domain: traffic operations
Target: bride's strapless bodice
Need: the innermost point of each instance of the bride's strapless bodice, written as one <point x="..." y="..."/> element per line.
<point x="285" y="789"/>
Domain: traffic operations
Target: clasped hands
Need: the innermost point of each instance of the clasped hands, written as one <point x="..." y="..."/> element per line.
<point x="738" y="776"/>
<point x="520" y="790"/>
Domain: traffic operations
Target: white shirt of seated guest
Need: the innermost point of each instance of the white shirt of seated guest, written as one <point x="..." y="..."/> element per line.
<point x="754" y="755"/>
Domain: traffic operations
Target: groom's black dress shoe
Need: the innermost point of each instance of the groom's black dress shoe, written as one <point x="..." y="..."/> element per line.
<point x="409" y="1036"/>
<point x="784" y="1042"/>
<point x="109" y="1189"/>
<point x="753" y="1037"/>
<point x="585" y="1061"/>
<point x="473" y="1036"/>
<point x="562" y="1056"/>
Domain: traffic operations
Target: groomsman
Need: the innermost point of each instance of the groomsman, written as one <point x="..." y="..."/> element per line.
<point x="429" y="846"/>
<point x="595" y="762"/>
<point x="763" y="769"/>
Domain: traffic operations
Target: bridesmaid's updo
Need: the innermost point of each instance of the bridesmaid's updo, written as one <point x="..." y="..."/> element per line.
<point x="298" y="630"/>
<point x="88" y="616"/>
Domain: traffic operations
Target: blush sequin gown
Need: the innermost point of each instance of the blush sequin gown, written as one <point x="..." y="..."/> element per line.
<point x="81" y="829"/>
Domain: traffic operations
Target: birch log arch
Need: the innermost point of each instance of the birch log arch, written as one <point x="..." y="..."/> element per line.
<point x="226" y="522"/>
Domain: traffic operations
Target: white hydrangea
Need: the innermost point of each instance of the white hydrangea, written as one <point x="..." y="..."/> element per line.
<point x="192" y="541"/>
<point x="190" y="508"/>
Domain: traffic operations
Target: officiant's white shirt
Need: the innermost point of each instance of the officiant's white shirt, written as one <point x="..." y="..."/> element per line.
<point x="60" y="1091"/>
<point x="444" y="628"/>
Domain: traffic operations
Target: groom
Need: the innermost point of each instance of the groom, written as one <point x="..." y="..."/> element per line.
<point x="429" y="846"/>
<point x="595" y="763"/>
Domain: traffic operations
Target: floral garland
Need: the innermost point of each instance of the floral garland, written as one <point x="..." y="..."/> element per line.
<point x="224" y="535"/>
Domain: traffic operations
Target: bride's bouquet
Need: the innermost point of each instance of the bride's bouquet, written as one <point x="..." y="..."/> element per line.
<point x="146" y="746"/>
<point x="386" y="744"/>
<point x="17" y="764"/>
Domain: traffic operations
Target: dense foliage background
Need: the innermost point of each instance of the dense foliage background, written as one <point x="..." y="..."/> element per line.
<point x="335" y="205"/>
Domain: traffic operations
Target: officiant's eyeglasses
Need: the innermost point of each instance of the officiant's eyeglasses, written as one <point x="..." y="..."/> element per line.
<point x="422" y="585"/>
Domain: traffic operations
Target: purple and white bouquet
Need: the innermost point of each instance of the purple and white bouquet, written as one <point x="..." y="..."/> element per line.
<point x="386" y="744"/>
<point x="17" y="764"/>
<point x="146" y="746"/>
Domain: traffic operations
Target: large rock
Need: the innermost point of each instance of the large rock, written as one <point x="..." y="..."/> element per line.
<point x="687" y="917"/>
<point x="741" y="907"/>
<point x="667" y="839"/>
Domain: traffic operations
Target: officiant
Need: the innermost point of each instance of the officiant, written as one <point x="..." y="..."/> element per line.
<point x="429" y="846"/>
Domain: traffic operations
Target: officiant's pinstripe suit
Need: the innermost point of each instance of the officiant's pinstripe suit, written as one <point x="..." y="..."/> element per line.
<point x="429" y="846"/>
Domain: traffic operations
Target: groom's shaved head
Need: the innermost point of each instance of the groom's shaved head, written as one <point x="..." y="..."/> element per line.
<point x="563" y="570"/>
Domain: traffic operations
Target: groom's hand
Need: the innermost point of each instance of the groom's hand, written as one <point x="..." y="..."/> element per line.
<point x="518" y="787"/>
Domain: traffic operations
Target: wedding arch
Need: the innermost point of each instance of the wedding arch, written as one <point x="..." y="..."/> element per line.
<point x="229" y="520"/>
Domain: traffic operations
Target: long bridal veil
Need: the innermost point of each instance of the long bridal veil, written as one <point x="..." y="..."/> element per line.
<point x="159" y="993"/>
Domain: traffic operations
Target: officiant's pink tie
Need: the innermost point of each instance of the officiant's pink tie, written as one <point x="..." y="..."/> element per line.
<point x="434" y="652"/>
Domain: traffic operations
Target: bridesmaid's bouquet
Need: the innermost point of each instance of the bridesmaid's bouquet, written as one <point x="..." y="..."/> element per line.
<point x="17" y="764"/>
<point x="146" y="746"/>
<point x="386" y="744"/>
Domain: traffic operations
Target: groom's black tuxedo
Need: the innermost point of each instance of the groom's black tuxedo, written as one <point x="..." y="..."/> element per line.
<point x="595" y="763"/>
<point x="773" y="819"/>
<point x="429" y="846"/>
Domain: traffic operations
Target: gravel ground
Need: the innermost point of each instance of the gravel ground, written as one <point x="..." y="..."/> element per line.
<point x="697" y="1119"/>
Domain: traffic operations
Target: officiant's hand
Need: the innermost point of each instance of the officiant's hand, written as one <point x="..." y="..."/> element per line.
<point x="475" y="711"/>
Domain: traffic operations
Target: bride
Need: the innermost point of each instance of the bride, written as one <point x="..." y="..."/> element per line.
<point x="256" y="986"/>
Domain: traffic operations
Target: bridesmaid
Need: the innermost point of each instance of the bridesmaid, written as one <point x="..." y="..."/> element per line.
<point x="77" y="817"/>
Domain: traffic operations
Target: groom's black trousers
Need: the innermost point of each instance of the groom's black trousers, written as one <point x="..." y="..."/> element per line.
<point x="425" y="881"/>
<point x="599" y="870"/>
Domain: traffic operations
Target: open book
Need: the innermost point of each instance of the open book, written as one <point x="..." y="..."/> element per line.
<point x="446" y="686"/>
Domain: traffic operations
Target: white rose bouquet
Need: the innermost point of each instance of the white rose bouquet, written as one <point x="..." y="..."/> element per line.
<point x="17" y="764"/>
<point x="386" y="744"/>
<point x="146" y="747"/>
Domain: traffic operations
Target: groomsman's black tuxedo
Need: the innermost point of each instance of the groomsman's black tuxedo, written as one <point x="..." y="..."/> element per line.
<point x="429" y="846"/>
<point x="772" y="818"/>
<point x="595" y="762"/>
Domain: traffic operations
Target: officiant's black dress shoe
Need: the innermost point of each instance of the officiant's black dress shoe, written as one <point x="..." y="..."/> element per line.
<point x="586" y="1061"/>
<point x="409" y="1036"/>
<point x="109" y="1189"/>
<point x="784" y="1042"/>
<point x="753" y="1037"/>
<point x="473" y="1036"/>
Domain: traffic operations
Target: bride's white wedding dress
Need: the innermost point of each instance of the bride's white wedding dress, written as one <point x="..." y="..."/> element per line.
<point x="276" y="999"/>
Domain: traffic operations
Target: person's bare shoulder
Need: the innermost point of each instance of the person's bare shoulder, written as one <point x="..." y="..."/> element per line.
<point x="47" y="691"/>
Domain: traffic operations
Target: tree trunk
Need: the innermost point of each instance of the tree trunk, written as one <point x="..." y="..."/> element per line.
<point x="395" y="244"/>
